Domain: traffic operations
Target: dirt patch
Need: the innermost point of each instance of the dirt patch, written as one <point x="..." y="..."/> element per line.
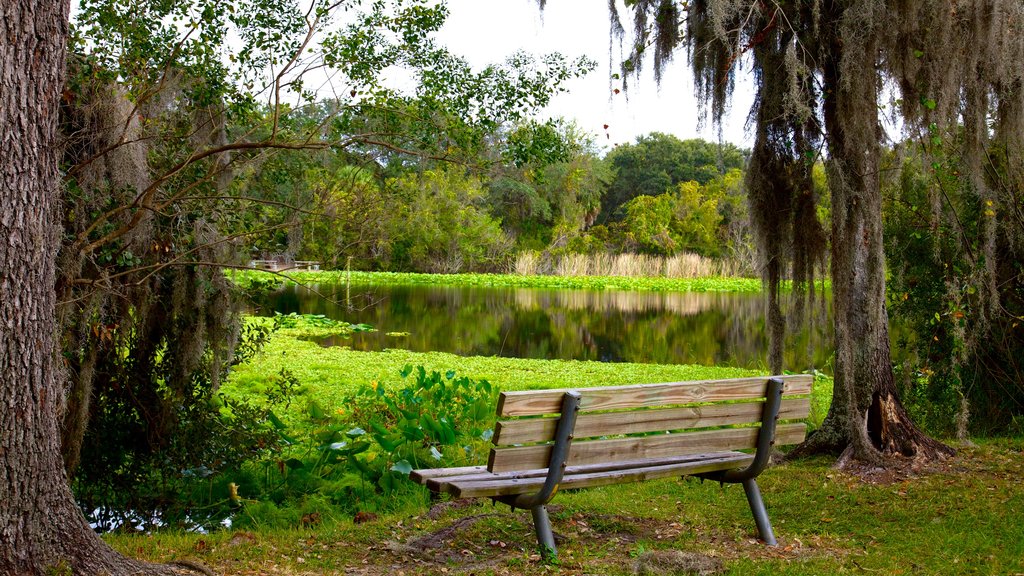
<point x="677" y="563"/>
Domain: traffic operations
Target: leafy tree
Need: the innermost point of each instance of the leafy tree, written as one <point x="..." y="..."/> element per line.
<point x="820" y="69"/>
<point x="697" y="219"/>
<point x="658" y="162"/>
<point x="442" y="224"/>
<point x="733" y="236"/>
<point x="351" y="217"/>
<point x="549" y="186"/>
<point x="648" y="222"/>
<point x="682" y="221"/>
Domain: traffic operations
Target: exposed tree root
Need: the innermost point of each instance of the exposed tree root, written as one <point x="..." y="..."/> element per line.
<point x="193" y="566"/>
<point x="896" y="443"/>
<point x="438" y="538"/>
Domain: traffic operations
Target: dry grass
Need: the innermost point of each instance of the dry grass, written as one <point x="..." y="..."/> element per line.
<point x="534" y="263"/>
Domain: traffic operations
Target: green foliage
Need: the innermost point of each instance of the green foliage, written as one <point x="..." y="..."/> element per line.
<point x="514" y="280"/>
<point x="690" y="217"/>
<point x="432" y="418"/>
<point x="647" y="223"/>
<point x="318" y="324"/>
<point x="549" y="187"/>
<point x="135" y="469"/>
<point x="950" y="246"/>
<point x="443" y="225"/>
<point x="657" y="163"/>
<point x="359" y="456"/>
<point x="539" y="143"/>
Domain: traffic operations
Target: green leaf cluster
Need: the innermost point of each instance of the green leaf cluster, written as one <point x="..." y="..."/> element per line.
<point x="359" y="455"/>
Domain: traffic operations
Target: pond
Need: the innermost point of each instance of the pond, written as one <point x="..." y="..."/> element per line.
<point x="724" y="329"/>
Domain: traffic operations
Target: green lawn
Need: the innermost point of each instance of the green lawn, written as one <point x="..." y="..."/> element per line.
<point x="967" y="518"/>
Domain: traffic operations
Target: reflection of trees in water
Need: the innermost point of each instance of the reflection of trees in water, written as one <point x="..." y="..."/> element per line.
<point x="611" y="326"/>
<point x="623" y="301"/>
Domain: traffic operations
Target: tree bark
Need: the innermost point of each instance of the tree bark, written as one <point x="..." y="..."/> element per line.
<point x="41" y="528"/>
<point x="866" y="419"/>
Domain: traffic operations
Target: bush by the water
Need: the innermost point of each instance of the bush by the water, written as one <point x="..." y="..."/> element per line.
<point x="356" y="457"/>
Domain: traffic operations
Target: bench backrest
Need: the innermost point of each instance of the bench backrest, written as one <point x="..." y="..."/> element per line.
<point x="678" y="418"/>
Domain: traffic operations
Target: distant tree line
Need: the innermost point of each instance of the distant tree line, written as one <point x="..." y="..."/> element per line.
<point x="531" y="186"/>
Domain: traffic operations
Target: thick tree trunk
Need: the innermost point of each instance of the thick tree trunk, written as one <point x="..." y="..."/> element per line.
<point x="866" y="418"/>
<point x="41" y="527"/>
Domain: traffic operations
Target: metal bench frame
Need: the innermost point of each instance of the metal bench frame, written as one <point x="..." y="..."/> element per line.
<point x="536" y="502"/>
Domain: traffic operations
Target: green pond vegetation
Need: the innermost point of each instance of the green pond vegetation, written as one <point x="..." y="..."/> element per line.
<point x="711" y="284"/>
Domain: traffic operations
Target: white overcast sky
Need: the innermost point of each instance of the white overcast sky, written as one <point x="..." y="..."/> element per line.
<point x="486" y="31"/>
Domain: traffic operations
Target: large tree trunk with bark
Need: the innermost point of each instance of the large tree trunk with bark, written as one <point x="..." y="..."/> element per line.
<point x="866" y="420"/>
<point x="41" y="528"/>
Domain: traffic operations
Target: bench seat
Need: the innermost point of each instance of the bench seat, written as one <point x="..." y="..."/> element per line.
<point x="477" y="482"/>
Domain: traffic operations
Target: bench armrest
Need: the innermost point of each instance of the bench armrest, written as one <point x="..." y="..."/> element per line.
<point x="765" y="437"/>
<point x="559" y="455"/>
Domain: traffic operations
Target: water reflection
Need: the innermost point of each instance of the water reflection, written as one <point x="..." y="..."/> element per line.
<point x="609" y="326"/>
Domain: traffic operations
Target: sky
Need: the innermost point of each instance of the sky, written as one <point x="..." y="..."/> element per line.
<point x="486" y="31"/>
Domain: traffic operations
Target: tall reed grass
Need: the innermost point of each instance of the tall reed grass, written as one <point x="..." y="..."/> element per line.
<point x="534" y="263"/>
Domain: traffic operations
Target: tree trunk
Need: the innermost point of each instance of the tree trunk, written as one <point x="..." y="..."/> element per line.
<point x="41" y="528"/>
<point x="866" y="418"/>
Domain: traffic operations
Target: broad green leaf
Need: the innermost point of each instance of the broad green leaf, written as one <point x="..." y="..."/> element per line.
<point x="402" y="467"/>
<point x="316" y="412"/>
<point x="378" y="427"/>
<point x="275" y="421"/>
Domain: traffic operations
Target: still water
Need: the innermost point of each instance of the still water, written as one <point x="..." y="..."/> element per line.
<point x="721" y="329"/>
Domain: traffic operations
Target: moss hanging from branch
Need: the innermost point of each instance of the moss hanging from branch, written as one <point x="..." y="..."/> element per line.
<point x="821" y="68"/>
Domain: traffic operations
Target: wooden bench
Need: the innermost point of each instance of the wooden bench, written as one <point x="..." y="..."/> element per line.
<point x="550" y="440"/>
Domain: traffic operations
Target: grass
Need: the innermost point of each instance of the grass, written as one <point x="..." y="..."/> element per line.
<point x="966" y="516"/>
<point x="963" y="518"/>
<point x="710" y="284"/>
<point x="685" y="265"/>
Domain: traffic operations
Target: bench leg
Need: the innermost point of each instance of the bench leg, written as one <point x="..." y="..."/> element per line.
<point x="545" y="537"/>
<point x="764" y="526"/>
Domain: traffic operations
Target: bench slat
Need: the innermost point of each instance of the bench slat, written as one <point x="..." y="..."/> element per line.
<point x="509" y="432"/>
<point x="425" y="474"/>
<point x="511" y="486"/>
<point x="538" y="402"/>
<point x="438" y="482"/>
<point x="659" y="446"/>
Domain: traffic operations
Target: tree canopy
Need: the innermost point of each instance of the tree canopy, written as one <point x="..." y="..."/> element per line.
<point x="658" y="162"/>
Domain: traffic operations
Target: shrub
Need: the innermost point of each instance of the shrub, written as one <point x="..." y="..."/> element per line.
<point x="358" y="457"/>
